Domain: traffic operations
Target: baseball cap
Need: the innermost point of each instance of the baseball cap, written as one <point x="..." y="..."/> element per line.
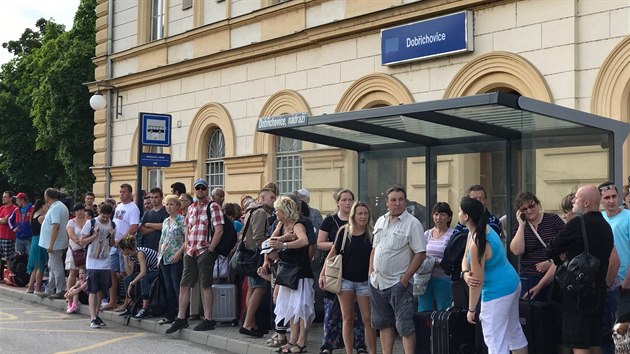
<point x="200" y="182"/>
<point x="303" y="192"/>
<point x="266" y="247"/>
<point x="21" y="196"/>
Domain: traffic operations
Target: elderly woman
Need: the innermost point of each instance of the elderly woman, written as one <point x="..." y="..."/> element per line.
<point x="294" y="306"/>
<point x="170" y="255"/>
<point x="439" y="286"/>
<point x="530" y="237"/>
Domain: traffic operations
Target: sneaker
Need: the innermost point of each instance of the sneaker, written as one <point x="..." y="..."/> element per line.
<point x="42" y="294"/>
<point x="165" y="321"/>
<point x="141" y="314"/>
<point x="205" y="325"/>
<point x="177" y="325"/>
<point x="125" y="313"/>
<point x="56" y="296"/>
<point x="73" y="308"/>
<point x="100" y="322"/>
<point x="94" y="324"/>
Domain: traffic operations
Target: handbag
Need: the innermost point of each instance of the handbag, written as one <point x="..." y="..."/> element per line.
<point x="577" y="276"/>
<point x="78" y="256"/>
<point x="287" y="274"/>
<point x="334" y="266"/>
<point x="245" y="261"/>
<point x="158" y="303"/>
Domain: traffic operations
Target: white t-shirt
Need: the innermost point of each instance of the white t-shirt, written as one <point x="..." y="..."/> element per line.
<point x="98" y="250"/>
<point x="125" y="216"/>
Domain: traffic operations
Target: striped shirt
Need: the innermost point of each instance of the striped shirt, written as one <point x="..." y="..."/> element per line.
<point x="150" y="255"/>
<point x="534" y="253"/>
<point x="435" y="249"/>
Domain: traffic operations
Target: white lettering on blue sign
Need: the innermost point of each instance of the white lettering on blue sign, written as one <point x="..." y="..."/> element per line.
<point x="426" y="39"/>
<point x="283" y="121"/>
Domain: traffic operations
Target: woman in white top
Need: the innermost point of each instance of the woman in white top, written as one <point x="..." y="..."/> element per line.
<point x="74" y="228"/>
<point x="439" y="286"/>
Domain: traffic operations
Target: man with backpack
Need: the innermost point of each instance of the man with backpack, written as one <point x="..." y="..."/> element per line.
<point x="255" y="227"/>
<point x="200" y="256"/>
<point x="99" y="236"/>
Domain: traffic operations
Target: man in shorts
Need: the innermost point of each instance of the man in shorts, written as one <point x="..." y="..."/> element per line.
<point x="99" y="240"/>
<point x="7" y="236"/>
<point x="200" y="256"/>
<point x="399" y="248"/>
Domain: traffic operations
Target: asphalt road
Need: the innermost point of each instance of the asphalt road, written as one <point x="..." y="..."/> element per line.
<point x="33" y="328"/>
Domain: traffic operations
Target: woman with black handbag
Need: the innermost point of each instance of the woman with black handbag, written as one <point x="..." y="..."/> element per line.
<point x="295" y="302"/>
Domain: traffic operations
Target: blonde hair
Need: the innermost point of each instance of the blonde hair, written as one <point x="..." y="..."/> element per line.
<point x="288" y="207"/>
<point x="174" y="199"/>
<point x="351" y="221"/>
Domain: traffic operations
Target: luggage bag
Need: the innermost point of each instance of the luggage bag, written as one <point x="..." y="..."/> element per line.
<point x="451" y="333"/>
<point x="224" y="303"/>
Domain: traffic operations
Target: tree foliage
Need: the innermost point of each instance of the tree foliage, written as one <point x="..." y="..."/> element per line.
<point x="46" y="122"/>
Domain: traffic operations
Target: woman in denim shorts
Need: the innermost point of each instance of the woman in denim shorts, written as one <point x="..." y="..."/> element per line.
<point x="355" y="267"/>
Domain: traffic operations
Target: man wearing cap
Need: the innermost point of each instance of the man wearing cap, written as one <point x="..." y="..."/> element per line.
<point x="200" y="257"/>
<point x="20" y="223"/>
<point x="314" y="214"/>
<point x="7" y="235"/>
<point x="255" y="227"/>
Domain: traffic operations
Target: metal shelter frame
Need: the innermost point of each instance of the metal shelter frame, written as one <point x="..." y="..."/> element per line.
<point x="459" y="125"/>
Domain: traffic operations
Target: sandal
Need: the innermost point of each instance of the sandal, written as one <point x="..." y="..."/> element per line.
<point x="274" y="341"/>
<point x="301" y="349"/>
<point x="287" y="346"/>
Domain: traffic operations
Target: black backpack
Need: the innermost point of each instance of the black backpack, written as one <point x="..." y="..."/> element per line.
<point x="453" y="255"/>
<point x="17" y="264"/>
<point x="229" y="237"/>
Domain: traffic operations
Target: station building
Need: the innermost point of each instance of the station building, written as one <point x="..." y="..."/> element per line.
<point x="219" y="66"/>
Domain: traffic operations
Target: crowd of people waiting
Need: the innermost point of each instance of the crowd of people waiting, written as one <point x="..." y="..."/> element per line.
<point x="177" y="236"/>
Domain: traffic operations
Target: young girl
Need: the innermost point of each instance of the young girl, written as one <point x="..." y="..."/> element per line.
<point x="72" y="295"/>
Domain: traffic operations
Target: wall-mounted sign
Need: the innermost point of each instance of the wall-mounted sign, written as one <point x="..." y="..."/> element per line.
<point x="156" y="129"/>
<point x="444" y="35"/>
<point x="283" y="121"/>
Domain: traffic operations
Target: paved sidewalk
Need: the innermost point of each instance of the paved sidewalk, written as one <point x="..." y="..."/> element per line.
<point x="225" y="336"/>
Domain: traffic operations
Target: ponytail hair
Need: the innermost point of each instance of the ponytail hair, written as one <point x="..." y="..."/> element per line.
<point x="477" y="214"/>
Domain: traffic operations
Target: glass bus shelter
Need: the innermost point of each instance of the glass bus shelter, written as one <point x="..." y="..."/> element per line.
<point x="437" y="149"/>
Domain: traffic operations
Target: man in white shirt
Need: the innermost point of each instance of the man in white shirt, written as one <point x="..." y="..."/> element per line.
<point x="54" y="238"/>
<point x="398" y="250"/>
<point x="127" y="219"/>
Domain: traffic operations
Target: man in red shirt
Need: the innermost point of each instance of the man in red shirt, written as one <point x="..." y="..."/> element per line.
<point x="7" y="236"/>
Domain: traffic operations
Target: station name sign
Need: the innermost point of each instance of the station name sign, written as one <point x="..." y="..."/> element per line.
<point x="440" y="36"/>
<point x="282" y="121"/>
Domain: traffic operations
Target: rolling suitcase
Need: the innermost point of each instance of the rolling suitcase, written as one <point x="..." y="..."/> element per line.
<point x="224" y="303"/>
<point x="537" y="320"/>
<point x="451" y="333"/>
<point x="422" y="321"/>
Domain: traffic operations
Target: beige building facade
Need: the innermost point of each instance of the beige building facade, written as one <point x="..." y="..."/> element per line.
<point x="217" y="66"/>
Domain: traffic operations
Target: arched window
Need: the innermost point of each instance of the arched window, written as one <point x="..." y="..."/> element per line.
<point x="214" y="161"/>
<point x="288" y="164"/>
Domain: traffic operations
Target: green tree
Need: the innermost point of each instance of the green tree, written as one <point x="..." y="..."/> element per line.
<point x="45" y="118"/>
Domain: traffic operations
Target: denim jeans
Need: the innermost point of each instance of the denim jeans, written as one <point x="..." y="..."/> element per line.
<point x="172" y="274"/>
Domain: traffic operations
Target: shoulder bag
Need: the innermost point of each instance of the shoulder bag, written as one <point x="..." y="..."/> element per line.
<point x="287" y="274"/>
<point x="334" y="265"/>
<point x="577" y="276"/>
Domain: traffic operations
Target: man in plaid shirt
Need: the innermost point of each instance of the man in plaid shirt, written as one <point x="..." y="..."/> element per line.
<point x="200" y="257"/>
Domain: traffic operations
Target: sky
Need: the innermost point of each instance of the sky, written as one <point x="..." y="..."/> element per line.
<point x="17" y="15"/>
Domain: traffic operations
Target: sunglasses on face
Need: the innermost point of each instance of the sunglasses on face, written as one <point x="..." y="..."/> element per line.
<point x="531" y="207"/>
<point x="200" y="188"/>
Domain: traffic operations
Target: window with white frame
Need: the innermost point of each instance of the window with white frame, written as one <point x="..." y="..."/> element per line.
<point x="288" y="164"/>
<point x="157" y="19"/>
<point x="154" y="174"/>
<point x="214" y="161"/>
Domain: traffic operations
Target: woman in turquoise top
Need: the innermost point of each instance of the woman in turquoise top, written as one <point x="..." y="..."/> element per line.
<point x="490" y="276"/>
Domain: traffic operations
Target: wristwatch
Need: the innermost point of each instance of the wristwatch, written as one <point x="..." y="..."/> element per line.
<point x="284" y="246"/>
<point x="461" y="275"/>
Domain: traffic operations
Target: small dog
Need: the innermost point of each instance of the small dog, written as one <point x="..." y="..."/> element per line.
<point x="621" y="338"/>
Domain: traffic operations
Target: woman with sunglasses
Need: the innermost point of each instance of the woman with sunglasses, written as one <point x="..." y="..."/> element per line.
<point x="530" y="236"/>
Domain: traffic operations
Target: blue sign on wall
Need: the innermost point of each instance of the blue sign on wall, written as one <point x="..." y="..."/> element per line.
<point x="155" y="160"/>
<point x="156" y="129"/>
<point x="430" y="38"/>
